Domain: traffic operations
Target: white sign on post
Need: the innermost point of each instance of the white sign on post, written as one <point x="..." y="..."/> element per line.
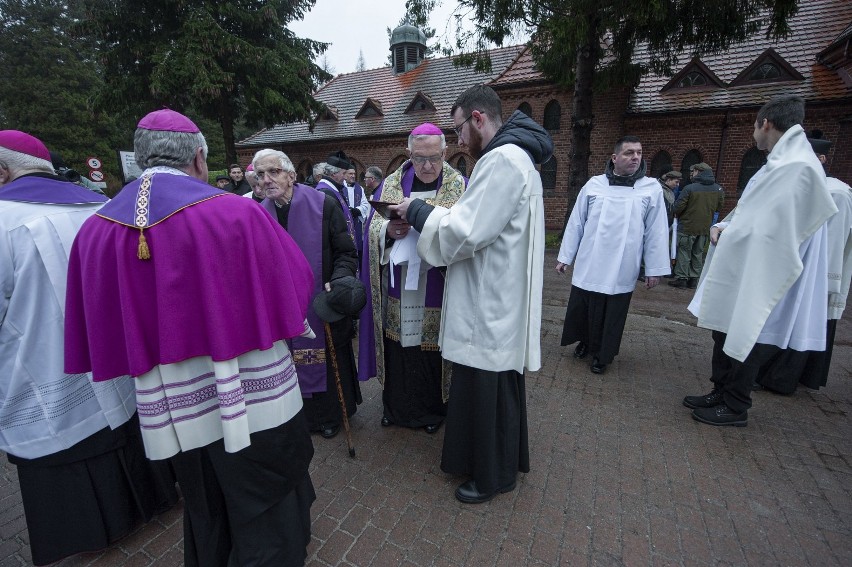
<point x="129" y="168"/>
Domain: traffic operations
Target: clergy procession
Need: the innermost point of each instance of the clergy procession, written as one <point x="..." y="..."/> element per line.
<point x="181" y="343"/>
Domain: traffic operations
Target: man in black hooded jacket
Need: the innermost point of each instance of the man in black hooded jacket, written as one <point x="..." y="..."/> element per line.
<point x="492" y="242"/>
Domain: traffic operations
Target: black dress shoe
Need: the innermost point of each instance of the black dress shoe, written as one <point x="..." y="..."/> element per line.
<point x="720" y="415"/>
<point x="680" y="282"/>
<point x="581" y="351"/>
<point x="710" y="400"/>
<point x="596" y="367"/>
<point x="386" y="422"/>
<point x="330" y="431"/>
<point x="469" y="494"/>
<point x="432" y="429"/>
<point x="692" y="283"/>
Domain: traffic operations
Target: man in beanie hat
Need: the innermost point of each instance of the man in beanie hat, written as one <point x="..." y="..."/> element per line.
<point x="697" y="207"/>
<point x="57" y="427"/>
<point x="154" y="293"/>
<point x="810" y="368"/>
<point x="351" y="197"/>
<point x="316" y="223"/>
<point x="764" y="286"/>
<point x="669" y="182"/>
<point x="399" y="335"/>
<point x="222" y="182"/>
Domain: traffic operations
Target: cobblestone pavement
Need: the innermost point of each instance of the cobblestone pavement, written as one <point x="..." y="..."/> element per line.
<point x="621" y="475"/>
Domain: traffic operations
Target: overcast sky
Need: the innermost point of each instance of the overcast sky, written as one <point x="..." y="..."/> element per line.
<point x="351" y="26"/>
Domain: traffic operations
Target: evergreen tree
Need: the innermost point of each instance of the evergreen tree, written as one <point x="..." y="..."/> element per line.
<point x="50" y="81"/>
<point x="590" y="44"/>
<point x="361" y="65"/>
<point x="227" y="60"/>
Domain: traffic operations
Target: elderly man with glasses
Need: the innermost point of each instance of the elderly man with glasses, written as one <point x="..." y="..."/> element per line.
<point x="315" y="221"/>
<point x="399" y="333"/>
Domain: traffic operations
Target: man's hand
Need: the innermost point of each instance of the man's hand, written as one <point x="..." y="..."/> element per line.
<point x="398" y="228"/>
<point x="652" y="281"/>
<point x="401" y="208"/>
<point x="560" y="267"/>
<point x="715" y="233"/>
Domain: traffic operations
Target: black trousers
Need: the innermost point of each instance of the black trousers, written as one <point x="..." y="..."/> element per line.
<point x="251" y="507"/>
<point x="735" y="378"/>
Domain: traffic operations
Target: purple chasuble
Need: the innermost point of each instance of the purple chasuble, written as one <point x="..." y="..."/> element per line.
<point x="223" y="279"/>
<point x="37" y="189"/>
<point x="304" y="224"/>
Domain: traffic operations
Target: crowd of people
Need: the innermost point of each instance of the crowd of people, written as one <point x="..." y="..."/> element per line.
<point x="187" y="336"/>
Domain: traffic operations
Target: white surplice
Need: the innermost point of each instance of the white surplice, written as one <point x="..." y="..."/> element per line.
<point x="766" y="279"/>
<point x="611" y="230"/>
<point x="492" y="242"/>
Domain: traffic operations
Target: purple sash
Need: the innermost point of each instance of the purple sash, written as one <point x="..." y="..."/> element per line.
<point x="304" y="224"/>
<point x="37" y="189"/>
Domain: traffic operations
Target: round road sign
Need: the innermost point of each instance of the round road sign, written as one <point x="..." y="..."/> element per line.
<point x="93" y="163"/>
<point x="96" y="175"/>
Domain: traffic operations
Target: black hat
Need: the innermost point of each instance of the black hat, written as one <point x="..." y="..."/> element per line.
<point x="346" y="298"/>
<point x="820" y="145"/>
<point x="222" y="178"/>
<point x="339" y="159"/>
<point x="673" y="175"/>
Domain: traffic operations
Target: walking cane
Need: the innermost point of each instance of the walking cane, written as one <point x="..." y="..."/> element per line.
<point x="334" y="366"/>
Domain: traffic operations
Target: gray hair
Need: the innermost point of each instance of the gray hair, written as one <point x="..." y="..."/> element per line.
<point x="412" y="137"/>
<point x="17" y="161"/>
<point x="330" y="170"/>
<point x="282" y="158"/>
<point x="319" y="168"/>
<point x="171" y="149"/>
<point x="376" y="172"/>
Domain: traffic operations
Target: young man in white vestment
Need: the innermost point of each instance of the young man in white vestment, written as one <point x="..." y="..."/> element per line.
<point x="765" y="282"/>
<point x="810" y="368"/>
<point x="618" y="220"/>
<point x="492" y="242"/>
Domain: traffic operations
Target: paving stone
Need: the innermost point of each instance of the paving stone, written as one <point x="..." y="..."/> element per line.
<point x="621" y="474"/>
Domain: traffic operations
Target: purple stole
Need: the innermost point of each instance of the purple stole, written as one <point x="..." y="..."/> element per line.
<point x="44" y="190"/>
<point x="347" y="214"/>
<point x="358" y="222"/>
<point x="304" y="224"/>
<point x="434" y="278"/>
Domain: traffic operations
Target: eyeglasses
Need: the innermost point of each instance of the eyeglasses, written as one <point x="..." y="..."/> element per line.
<point x="271" y="173"/>
<point x="458" y="128"/>
<point x="370" y="177"/>
<point x="434" y="160"/>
